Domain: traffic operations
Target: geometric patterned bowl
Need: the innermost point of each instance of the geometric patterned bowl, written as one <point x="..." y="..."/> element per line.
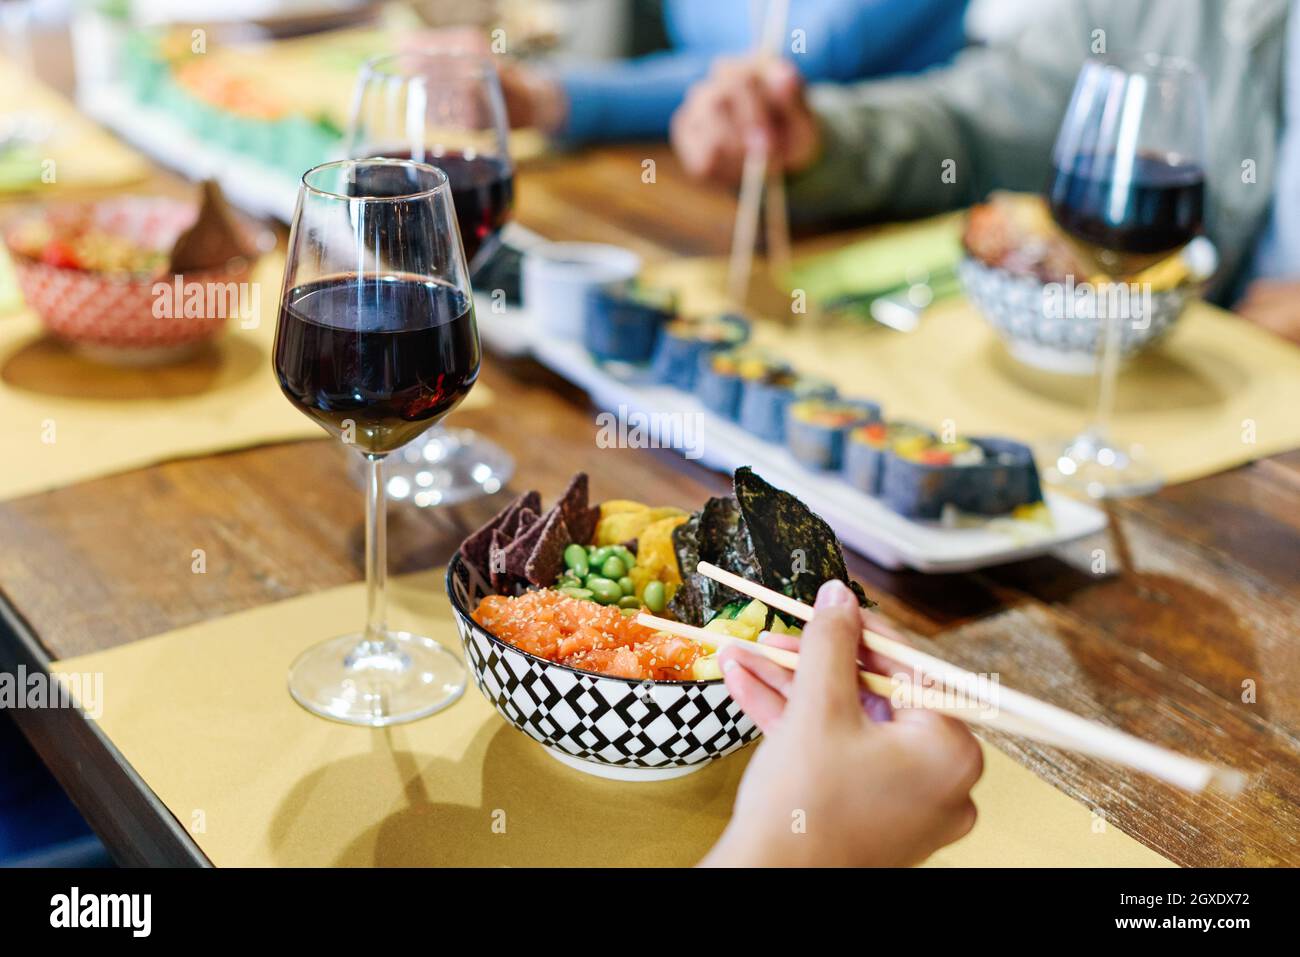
<point x="1016" y="306"/>
<point x="111" y="317"/>
<point x="617" y="728"/>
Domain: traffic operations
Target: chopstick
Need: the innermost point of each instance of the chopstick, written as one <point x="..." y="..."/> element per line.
<point x="1068" y="730"/>
<point x="878" y="684"/>
<point x="752" y="178"/>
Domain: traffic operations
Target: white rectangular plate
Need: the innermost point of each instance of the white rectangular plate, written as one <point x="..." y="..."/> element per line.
<point x="862" y="522"/>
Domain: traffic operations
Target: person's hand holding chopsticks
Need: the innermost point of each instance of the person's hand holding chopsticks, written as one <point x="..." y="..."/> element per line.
<point x="830" y="784"/>
<point x="745" y="103"/>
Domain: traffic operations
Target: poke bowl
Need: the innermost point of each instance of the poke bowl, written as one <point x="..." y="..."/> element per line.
<point x="571" y="666"/>
<point x="1028" y="283"/>
<point x="99" y="276"/>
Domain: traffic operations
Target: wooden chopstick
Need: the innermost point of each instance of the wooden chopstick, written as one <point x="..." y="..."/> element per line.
<point x="752" y="178"/>
<point x="1068" y="729"/>
<point x="878" y="684"/>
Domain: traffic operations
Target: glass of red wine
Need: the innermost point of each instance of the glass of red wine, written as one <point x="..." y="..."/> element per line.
<point x="445" y="109"/>
<point x="376" y="341"/>
<point x="1128" y="188"/>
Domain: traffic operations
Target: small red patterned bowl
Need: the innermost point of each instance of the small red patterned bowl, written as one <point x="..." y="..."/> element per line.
<point x="130" y="319"/>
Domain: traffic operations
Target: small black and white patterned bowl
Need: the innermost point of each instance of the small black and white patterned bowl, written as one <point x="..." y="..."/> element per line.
<point x="1017" y="307"/>
<point x="615" y="728"/>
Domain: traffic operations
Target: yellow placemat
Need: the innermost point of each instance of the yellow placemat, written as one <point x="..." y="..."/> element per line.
<point x="67" y="419"/>
<point x="69" y="150"/>
<point x="1220" y="391"/>
<point x="203" y="715"/>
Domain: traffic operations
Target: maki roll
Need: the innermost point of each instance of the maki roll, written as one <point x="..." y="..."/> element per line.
<point x="683" y="342"/>
<point x="624" y="323"/>
<point x="986" y="476"/>
<point x="764" y="400"/>
<point x="721" y="377"/>
<point x="867" y="446"/>
<point x="816" y="429"/>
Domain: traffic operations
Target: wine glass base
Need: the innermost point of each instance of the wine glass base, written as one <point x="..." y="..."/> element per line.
<point x="1099" y="468"/>
<point x="345" y="679"/>
<point x="444" y="467"/>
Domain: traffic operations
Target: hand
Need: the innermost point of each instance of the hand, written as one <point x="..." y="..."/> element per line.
<point x="1275" y="305"/>
<point x="828" y="785"/>
<point x="533" y="100"/>
<point x="743" y="104"/>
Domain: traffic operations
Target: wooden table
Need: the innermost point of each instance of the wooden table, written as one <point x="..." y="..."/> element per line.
<point x="1187" y="637"/>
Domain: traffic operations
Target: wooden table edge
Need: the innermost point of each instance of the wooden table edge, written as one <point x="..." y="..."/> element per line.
<point x="137" y="828"/>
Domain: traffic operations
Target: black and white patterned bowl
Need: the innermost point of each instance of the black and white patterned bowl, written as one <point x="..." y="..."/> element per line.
<point x="1017" y="307"/>
<point x="616" y="728"/>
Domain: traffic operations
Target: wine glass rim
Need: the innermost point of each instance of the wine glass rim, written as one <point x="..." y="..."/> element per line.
<point x="373" y="66"/>
<point x="1147" y="62"/>
<point x="440" y="181"/>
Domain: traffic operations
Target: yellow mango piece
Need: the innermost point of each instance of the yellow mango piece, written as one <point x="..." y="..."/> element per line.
<point x="615" y="505"/>
<point x="666" y="511"/>
<point x="654" y="548"/>
<point x="707" y="668"/>
<point x="619" y="527"/>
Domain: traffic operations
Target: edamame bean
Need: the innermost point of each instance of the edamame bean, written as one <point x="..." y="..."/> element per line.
<point x="599" y="555"/>
<point x="625" y="553"/>
<point x="603" y="590"/>
<point x="569" y="581"/>
<point x="654" y="596"/>
<point x="575" y="557"/>
<point x="613" y="567"/>
<point x="629" y="601"/>
<point x="627" y="585"/>
<point x="580" y="593"/>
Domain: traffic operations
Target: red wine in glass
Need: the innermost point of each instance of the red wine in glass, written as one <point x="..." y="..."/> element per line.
<point x="482" y="189"/>
<point x="1128" y="216"/>
<point x="391" y="355"/>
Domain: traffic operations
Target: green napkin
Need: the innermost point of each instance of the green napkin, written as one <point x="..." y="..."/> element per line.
<point x="886" y="263"/>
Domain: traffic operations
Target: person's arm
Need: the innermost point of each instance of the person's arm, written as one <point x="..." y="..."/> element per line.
<point x="918" y="145"/>
<point x="629" y="99"/>
<point x="900" y="147"/>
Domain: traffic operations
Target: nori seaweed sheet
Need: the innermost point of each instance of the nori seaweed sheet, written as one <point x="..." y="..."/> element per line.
<point x="761" y="533"/>
<point x="717" y="534"/>
<point x="794" y="548"/>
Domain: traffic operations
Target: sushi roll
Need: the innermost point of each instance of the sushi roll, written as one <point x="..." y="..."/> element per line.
<point x="765" y="399"/>
<point x="624" y="323"/>
<point x="867" y="446"/>
<point x="721" y="377"/>
<point x="975" y="476"/>
<point x="683" y="342"/>
<point x="816" y="429"/>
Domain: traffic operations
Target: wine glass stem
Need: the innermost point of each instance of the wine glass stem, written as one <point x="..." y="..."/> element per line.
<point x="376" y="555"/>
<point x="1107" y="375"/>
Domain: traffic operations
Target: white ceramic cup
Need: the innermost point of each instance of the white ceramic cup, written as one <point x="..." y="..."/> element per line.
<point x="559" y="277"/>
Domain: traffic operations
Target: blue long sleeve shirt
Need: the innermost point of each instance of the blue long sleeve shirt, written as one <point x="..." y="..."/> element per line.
<point x="843" y="40"/>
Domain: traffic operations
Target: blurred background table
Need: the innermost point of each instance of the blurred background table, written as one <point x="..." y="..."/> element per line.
<point x="1187" y="638"/>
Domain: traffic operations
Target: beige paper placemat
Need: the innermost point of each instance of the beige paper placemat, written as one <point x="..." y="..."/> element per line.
<point x="203" y="715"/>
<point x="1218" y="393"/>
<point x="66" y="419"/>
<point x="69" y="152"/>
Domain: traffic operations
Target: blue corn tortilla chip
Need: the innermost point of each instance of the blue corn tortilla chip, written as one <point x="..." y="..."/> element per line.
<point x="521" y="549"/>
<point x="547" y="559"/>
<point x="474" y="550"/>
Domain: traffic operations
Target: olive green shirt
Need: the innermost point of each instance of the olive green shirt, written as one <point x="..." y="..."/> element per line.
<point x="990" y="118"/>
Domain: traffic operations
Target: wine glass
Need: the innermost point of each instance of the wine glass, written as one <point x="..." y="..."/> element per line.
<point x="445" y="109"/>
<point x="376" y="340"/>
<point x="1128" y="188"/>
